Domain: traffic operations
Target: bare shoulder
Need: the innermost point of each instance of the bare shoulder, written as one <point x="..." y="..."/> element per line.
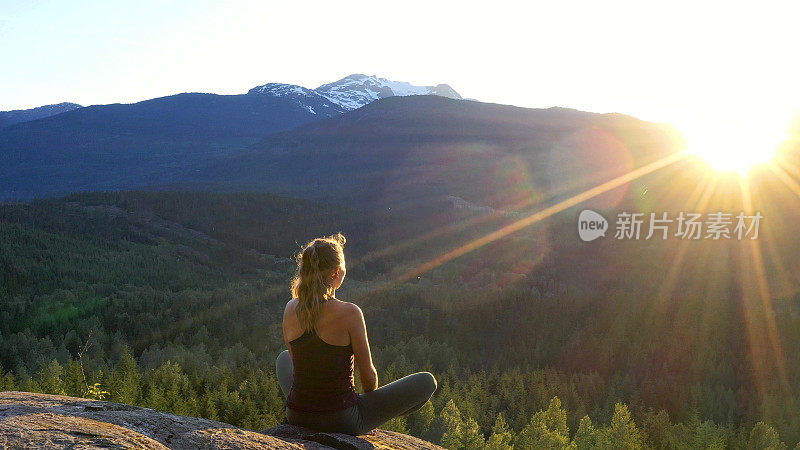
<point x="348" y="310"/>
<point x="352" y="314"/>
<point x="290" y="305"/>
<point x="347" y="306"/>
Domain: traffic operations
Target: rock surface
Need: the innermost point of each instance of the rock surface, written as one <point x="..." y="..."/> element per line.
<point x="375" y="439"/>
<point x="29" y="420"/>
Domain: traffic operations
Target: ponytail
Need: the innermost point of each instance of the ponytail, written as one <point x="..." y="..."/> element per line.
<point x="311" y="284"/>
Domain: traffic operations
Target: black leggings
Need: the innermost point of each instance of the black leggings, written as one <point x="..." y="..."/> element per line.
<point x="374" y="408"/>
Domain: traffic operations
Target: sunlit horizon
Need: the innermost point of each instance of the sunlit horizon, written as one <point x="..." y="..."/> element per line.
<point x="735" y="145"/>
<point x="674" y="63"/>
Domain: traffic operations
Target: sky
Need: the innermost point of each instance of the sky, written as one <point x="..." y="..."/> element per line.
<point x="688" y="63"/>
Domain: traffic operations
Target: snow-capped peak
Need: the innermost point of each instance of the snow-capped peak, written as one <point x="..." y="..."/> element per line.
<point x="281" y="89"/>
<point x="355" y="91"/>
<point x="308" y="99"/>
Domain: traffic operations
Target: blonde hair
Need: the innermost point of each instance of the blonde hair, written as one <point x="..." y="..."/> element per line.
<point x="311" y="284"/>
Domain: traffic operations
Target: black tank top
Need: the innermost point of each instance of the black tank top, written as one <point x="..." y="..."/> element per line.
<point x="323" y="375"/>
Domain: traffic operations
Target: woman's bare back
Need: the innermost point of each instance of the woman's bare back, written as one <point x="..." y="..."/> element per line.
<point x="332" y="324"/>
<point x="340" y="323"/>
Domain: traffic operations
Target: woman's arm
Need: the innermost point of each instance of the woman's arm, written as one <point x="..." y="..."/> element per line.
<point x="358" y="338"/>
<point x="286" y="311"/>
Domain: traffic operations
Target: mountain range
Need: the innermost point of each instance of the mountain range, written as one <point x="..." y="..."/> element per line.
<point x="355" y="91"/>
<point x="360" y="140"/>
<point x="8" y="118"/>
<point x="120" y="146"/>
<point x="408" y="150"/>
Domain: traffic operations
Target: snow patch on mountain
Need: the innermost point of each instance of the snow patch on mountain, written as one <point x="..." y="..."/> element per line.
<point x="355" y="91"/>
<point x="308" y="99"/>
<point x="280" y="89"/>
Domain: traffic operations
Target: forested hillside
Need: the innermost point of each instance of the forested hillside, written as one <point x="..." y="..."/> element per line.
<point x="401" y="151"/>
<point x="152" y="142"/>
<point x="174" y="301"/>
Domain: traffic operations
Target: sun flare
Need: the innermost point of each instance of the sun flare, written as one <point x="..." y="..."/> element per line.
<point x="735" y="146"/>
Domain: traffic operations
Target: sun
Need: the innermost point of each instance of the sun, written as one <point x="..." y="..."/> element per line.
<point x="736" y="145"/>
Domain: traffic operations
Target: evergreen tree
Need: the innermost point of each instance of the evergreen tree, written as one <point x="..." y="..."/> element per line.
<point x="587" y="436"/>
<point x="657" y="428"/>
<point x="764" y="437"/>
<point x="73" y="379"/>
<point x="471" y="436"/>
<point x="547" y="429"/>
<point x="709" y="436"/>
<point x="452" y="425"/>
<point x="231" y="406"/>
<point x="124" y="383"/>
<point x="695" y="433"/>
<point x="623" y="432"/>
<point x="501" y="437"/>
<point x="209" y="407"/>
<point x="397" y="424"/>
<point x="420" y="421"/>
<point x="27" y="383"/>
<point x="7" y="382"/>
<point x="49" y="378"/>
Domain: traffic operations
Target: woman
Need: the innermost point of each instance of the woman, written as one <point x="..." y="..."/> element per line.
<point x="324" y="336"/>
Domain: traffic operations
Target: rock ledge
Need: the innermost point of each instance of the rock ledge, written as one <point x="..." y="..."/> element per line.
<point x="29" y="420"/>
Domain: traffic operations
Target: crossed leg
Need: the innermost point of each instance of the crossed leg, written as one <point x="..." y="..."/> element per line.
<point x="284" y="369"/>
<point x="397" y="398"/>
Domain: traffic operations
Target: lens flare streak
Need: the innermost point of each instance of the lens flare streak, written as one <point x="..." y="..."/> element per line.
<point x="543" y="214"/>
<point x="755" y="262"/>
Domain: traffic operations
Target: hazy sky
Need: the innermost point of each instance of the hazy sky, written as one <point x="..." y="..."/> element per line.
<point x="671" y="61"/>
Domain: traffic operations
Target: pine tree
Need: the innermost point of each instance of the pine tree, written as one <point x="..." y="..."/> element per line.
<point x="419" y="422"/>
<point x="657" y="429"/>
<point x="156" y="399"/>
<point x="451" y="424"/>
<point x="709" y="436"/>
<point x="73" y="379"/>
<point x="209" y="407"/>
<point x="586" y="437"/>
<point x="501" y="437"/>
<point x="547" y="429"/>
<point x="764" y="437"/>
<point x="172" y="390"/>
<point x="7" y="382"/>
<point x="125" y="382"/>
<point x="397" y="424"/>
<point x="623" y="432"/>
<point x="471" y="436"/>
<point x="27" y="383"/>
<point x="49" y="378"/>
